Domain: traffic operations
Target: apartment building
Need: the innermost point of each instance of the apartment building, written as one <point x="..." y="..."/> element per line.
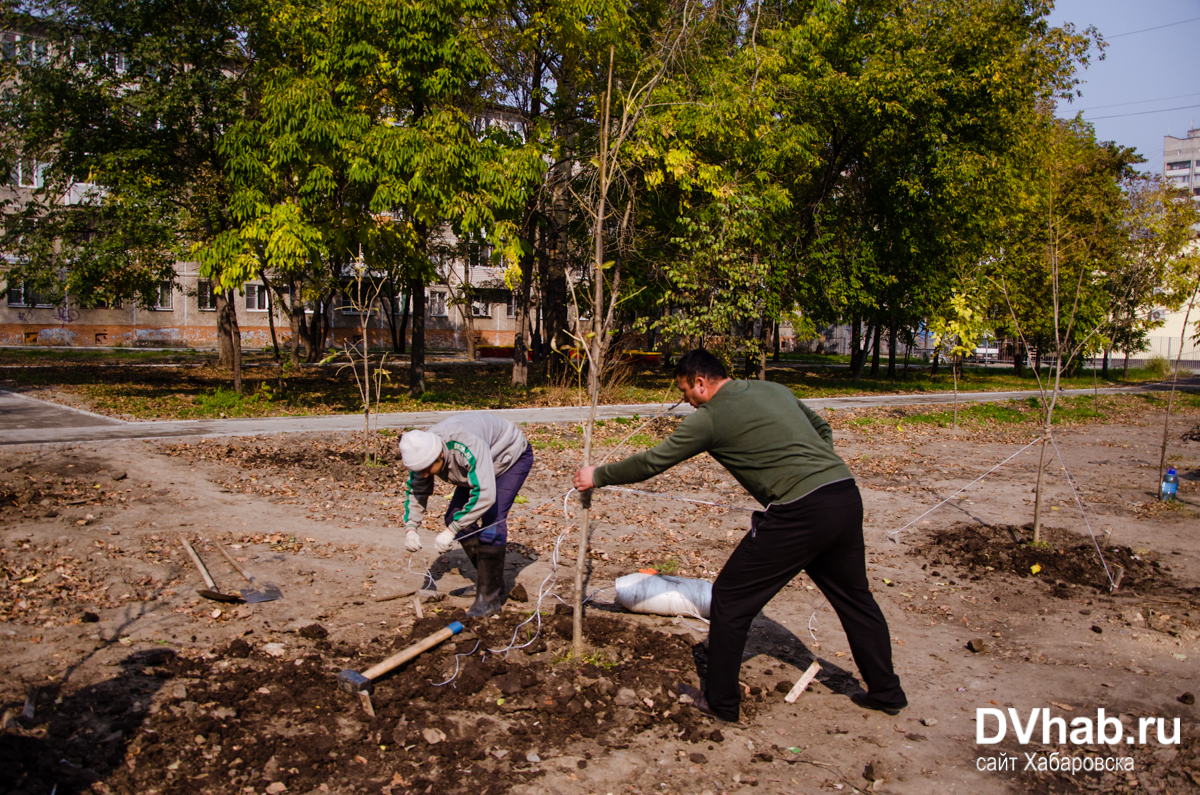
<point x="184" y="316"/>
<point x="1181" y="161"/>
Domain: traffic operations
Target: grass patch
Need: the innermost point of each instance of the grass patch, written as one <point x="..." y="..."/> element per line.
<point x="669" y="566"/>
<point x="193" y="389"/>
<point x="223" y="402"/>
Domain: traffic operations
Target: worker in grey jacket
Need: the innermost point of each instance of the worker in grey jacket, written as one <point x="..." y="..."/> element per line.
<point x="487" y="459"/>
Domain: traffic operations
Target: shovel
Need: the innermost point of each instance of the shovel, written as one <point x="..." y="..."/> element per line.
<point x="211" y="592"/>
<point x="269" y="592"/>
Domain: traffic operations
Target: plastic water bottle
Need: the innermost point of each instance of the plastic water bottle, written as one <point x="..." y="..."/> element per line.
<point x="1170" y="485"/>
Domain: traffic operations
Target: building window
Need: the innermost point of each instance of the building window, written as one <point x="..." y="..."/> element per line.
<point x="1178" y="165"/>
<point x="206" y="299"/>
<point x="26" y="50"/>
<point x="437" y="304"/>
<point x="21" y="296"/>
<point x="479" y="255"/>
<point x="27" y="173"/>
<point x="364" y="301"/>
<point x="510" y="309"/>
<point x="162" y="301"/>
<point x="256" y="298"/>
<point x="481" y="308"/>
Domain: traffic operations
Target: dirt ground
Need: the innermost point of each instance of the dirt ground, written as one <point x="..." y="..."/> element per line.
<point x="120" y="678"/>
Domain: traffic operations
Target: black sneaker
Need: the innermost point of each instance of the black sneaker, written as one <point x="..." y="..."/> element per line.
<point x="865" y="701"/>
<point x="700" y="702"/>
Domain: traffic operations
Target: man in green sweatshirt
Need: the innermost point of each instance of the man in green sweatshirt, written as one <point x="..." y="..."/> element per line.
<point x="782" y="453"/>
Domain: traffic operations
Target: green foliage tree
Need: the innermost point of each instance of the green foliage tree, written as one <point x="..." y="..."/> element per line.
<point x="124" y="103"/>
<point x="1064" y="233"/>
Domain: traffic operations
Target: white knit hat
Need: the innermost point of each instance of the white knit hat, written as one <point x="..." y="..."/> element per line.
<point x="419" y="449"/>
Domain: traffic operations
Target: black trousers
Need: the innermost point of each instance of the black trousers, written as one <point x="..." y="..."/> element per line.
<point x="820" y="533"/>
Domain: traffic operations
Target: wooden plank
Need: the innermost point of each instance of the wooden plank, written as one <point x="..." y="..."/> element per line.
<point x="804" y="681"/>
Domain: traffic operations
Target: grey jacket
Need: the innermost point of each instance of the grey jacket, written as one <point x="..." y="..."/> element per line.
<point x="478" y="447"/>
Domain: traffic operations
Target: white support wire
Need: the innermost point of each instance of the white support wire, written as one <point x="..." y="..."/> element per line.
<point x="545" y="589"/>
<point x="680" y="499"/>
<point x="891" y="536"/>
<point x="454" y="675"/>
<point x="812" y="619"/>
<point x="1112" y="583"/>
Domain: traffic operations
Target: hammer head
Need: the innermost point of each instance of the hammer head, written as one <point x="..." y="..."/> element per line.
<point x="354" y="682"/>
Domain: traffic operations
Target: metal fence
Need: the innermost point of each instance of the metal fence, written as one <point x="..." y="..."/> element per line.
<point x="835" y="340"/>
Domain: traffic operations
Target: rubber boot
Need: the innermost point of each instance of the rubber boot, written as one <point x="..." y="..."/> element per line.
<point x="489" y="583"/>
<point x="471" y="546"/>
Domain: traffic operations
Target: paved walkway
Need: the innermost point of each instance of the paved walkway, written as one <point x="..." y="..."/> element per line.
<point x="20" y="413"/>
<point x="25" y="420"/>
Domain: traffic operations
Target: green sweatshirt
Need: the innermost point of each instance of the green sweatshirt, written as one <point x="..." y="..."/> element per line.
<point x="774" y="445"/>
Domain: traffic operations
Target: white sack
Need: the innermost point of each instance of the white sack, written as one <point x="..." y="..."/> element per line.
<point x="663" y="595"/>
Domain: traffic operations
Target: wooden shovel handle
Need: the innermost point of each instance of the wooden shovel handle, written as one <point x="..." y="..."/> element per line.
<point x="208" y="580"/>
<point x="233" y="562"/>
<point x="401" y="657"/>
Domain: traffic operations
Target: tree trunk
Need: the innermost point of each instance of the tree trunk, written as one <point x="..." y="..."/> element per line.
<point x="862" y="358"/>
<point x="467" y="308"/>
<point x="1037" y="494"/>
<point x="318" y="329"/>
<point x="892" y="331"/>
<point x="1162" y="461"/>
<point x="227" y="326"/>
<point x="295" y="315"/>
<point x="271" y="316"/>
<point x="520" y="371"/>
<point x="1019" y="358"/>
<point x="937" y="356"/>
<point x="855" y="340"/>
<point x="224" y="338"/>
<point x="1104" y="363"/>
<point x="404" y="322"/>
<point x="416" y="366"/>
<point x="775" y="342"/>
<point x="764" y="331"/>
<point x="554" y="282"/>
<point x="390" y="305"/>
<point x="1125" y="366"/>
<point x="875" y="350"/>
<point x="954" y="361"/>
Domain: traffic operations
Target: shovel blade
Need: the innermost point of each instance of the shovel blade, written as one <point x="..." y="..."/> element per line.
<point x="269" y="593"/>
<point x="217" y="596"/>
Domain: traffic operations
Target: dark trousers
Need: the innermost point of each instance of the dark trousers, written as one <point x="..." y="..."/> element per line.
<point x="821" y="534"/>
<point x="507" y="487"/>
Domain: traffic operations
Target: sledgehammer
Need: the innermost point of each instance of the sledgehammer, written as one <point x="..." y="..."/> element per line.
<point x="363" y="684"/>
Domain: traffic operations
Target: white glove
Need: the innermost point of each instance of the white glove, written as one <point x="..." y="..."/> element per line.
<point x="444" y="541"/>
<point x="412" y="541"/>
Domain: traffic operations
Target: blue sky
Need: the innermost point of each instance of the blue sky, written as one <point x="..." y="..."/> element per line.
<point x="1148" y="84"/>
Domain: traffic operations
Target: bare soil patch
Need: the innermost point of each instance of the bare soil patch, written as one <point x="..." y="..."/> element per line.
<point x="1062" y="558"/>
<point x="142" y="686"/>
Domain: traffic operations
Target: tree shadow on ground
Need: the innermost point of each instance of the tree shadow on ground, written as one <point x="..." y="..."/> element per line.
<point x="76" y="739"/>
